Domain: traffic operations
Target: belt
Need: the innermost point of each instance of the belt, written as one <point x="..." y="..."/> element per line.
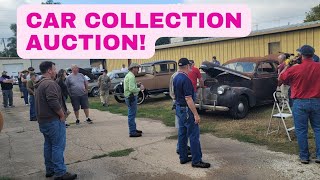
<point x="182" y="105"/>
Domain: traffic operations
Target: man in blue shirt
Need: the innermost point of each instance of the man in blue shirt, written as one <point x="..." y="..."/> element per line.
<point x="189" y="118"/>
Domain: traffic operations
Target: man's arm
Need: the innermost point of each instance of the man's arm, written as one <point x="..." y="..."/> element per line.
<point x="132" y="85"/>
<point x="23" y="79"/>
<point x="29" y="86"/>
<point x="8" y="81"/>
<point x="52" y="95"/>
<point x="283" y="77"/>
<point x="171" y="89"/>
<point x="192" y="107"/>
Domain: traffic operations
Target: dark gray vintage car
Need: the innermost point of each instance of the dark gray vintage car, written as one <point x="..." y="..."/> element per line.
<point x="238" y="85"/>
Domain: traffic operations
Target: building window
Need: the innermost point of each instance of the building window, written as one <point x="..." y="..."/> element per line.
<point x="274" y="47"/>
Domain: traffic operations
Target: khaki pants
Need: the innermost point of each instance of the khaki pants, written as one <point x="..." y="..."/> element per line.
<point x="104" y="95"/>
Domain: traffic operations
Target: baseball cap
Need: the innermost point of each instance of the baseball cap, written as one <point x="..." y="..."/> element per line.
<point x="306" y="50"/>
<point x="183" y="62"/>
<point x="134" y="65"/>
<point x="4" y="73"/>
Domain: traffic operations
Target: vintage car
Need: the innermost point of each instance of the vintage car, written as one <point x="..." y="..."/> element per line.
<point x="238" y="85"/>
<point x="154" y="76"/>
<point x="116" y="77"/>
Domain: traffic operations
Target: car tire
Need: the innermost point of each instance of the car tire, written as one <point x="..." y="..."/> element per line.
<point x="119" y="98"/>
<point x="95" y="92"/>
<point x="141" y="97"/>
<point x="240" y="109"/>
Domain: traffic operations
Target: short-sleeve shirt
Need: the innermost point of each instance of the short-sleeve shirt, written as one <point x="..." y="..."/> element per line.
<point x="303" y="79"/>
<point x="194" y="75"/>
<point x="76" y="84"/>
<point x="182" y="88"/>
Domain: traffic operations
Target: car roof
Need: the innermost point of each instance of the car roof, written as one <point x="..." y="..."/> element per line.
<point x="271" y="57"/>
<point x="158" y="62"/>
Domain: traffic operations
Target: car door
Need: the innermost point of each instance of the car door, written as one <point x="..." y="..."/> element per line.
<point x="265" y="81"/>
<point x="162" y="75"/>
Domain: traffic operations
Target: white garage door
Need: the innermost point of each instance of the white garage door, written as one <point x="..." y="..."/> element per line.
<point x="13" y="69"/>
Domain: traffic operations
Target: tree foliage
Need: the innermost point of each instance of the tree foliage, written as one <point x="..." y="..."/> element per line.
<point x="50" y="2"/>
<point x="313" y="14"/>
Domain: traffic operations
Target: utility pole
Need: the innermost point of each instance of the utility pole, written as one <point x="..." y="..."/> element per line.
<point x="4" y="47"/>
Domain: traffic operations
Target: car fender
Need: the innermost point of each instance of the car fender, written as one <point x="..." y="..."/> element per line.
<point x="246" y="92"/>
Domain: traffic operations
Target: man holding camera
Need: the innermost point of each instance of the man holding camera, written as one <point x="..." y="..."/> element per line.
<point x="131" y="92"/>
<point x="305" y="90"/>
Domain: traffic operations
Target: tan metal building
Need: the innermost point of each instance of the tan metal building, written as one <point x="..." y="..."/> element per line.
<point x="258" y="43"/>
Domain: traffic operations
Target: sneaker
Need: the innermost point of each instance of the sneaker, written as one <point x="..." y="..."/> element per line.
<point x="67" y="125"/>
<point x="33" y="119"/>
<point x="201" y="165"/>
<point x="186" y="161"/>
<point x="135" y="135"/>
<point x="89" y="121"/>
<point x="304" y="161"/>
<point x="138" y="131"/>
<point x="27" y="104"/>
<point x="49" y="175"/>
<point x="12" y="106"/>
<point x="317" y="161"/>
<point x="67" y="176"/>
<point x="77" y="122"/>
<point x="22" y="97"/>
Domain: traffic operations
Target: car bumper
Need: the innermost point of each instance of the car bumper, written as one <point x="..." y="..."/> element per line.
<point x="212" y="107"/>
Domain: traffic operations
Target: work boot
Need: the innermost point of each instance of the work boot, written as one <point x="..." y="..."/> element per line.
<point x="138" y="131"/>
<point x="89" y="121"/>
<point x="304" y="161"/>
<point x="186" y="161"/>
<point x="135" y="135"/>
<point x="66" y="176"/>
<point x="201" y="165"/>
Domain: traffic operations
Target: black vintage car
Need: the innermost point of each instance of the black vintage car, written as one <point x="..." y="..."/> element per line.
<point x="238" y="85"/>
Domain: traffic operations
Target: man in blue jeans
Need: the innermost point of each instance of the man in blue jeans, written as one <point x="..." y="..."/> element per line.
<point x="30" y="87"/>
<point x="131" y="92"/>
<point x="305" y="91"/>
<point x="51" y="118"/>
<point x="188" y="116"/>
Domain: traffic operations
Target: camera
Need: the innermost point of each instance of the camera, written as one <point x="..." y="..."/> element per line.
<point x="295" y="60"/>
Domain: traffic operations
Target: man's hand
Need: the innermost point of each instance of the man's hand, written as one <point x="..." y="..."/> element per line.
<point x="62" y="118"/>
<point x="142" y="87"/>
<point x="196" y="119"/>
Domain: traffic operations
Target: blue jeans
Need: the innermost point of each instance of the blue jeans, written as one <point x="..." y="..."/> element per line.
<point x="7" y="97"/>
<point x="25" y="94"/>
<point x="54" y="145"/>
<point x="132" y="112"/>
<point x="303" y="110"/>
<point x="188" y="128"/>
<point x="32" y="107"/>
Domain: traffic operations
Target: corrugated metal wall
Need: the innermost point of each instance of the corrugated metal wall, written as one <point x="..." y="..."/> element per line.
<point x="235" y="48"/>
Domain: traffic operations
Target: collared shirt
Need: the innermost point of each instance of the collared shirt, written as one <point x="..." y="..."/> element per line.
<point x="194" y="75"/>
<point x="303" y="79"/>
<point x="182" y="88"/>
<point x="130" y="85"/>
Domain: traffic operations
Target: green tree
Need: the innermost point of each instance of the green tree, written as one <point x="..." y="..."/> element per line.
<point x="11" y="50"/>
<point x="50" y="2"/>
<point x="313" y="14"/>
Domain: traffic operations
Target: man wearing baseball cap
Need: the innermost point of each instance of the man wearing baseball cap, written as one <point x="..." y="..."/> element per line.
<point x="188" y="116"/>
<point x="131" y="92"/>
<point x="6" y="87"/>
<point x="305" y="90"/>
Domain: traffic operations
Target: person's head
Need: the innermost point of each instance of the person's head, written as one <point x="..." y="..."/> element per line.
<point x="105" y="71"/>
<point x="184" y="65"/>
<point x="306" y="51"/>
<point x="62" y="74"/>
<point x="75" y="69"/>
<point x="282" y="58"/>
<point x="33" y="76"/>
<point x="31" y="69"/>
<point x="4" y="73"/>
<point x="123" y="65"/>
<point x="48" y="69"/>
<point x="214" y="58"/>
<point x="134" y="68"/>
<point x="191" y="63"/>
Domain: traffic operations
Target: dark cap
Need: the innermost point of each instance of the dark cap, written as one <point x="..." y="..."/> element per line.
<point x="191" y="61"/>
<point x="306" y="50"/>
<point x="183" y="62"/>
<point x="30" y="69"/>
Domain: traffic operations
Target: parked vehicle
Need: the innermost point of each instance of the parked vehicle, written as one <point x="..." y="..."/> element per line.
<point x="115" y="76"/>
<point x="238" y="85"/>
<point x="154" y="76"/>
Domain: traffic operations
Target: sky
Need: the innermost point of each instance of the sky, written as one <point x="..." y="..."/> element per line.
<point x="265" y="14"/>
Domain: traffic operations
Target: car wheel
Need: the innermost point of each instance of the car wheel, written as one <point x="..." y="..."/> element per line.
<point x="119" y="97"/>
<point x="95" y="92"/>
<point x="141" y="97"/>
<point x="240" y="109"/>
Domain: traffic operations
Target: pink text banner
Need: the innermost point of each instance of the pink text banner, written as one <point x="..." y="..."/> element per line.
<point x="120" y="31"/>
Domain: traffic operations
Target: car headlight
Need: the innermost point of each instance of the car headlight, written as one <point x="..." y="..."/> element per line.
<point x="220" y="90"/>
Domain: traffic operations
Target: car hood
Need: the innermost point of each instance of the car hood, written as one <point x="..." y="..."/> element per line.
<point x="214" y="70"/>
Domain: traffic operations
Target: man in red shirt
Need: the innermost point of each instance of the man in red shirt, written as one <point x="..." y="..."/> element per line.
<point x="305" y="91"/>
<point x="195" y="75"/>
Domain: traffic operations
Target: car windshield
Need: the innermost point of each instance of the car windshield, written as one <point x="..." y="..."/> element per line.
<point x="111" y="75"/>
<point x="146" y="69"/>
<point x="244" y="67"/>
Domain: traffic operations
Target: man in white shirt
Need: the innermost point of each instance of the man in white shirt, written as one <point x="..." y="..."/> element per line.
<point x="124" y="68"/>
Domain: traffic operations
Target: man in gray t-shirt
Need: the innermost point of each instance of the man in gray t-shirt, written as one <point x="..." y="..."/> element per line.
<point x="78" y="89"/>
